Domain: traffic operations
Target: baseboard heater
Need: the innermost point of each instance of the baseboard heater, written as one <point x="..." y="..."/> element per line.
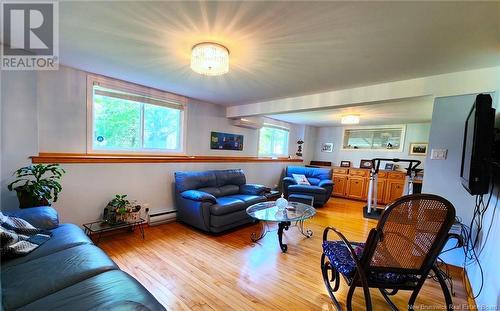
<point x="160" y="216"/>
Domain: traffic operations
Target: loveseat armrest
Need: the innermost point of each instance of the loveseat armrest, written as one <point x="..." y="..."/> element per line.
<point x="41" y="217"/>
<point x="325" y="183"/>
<point x="197" y="195"/>
<point x="289" y="181"/>
<point x="254" y="189"/>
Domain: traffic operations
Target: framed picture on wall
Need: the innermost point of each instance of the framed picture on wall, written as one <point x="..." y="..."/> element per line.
<point x="327" y="147"/>
<point x="345" y="163"/>
<point x="365" y="164"/>
<point x="419" y="149"/>
<point x="225" y="141"/>
<point x="389" y="166"/>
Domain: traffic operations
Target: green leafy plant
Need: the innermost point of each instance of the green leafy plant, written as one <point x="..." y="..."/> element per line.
<point x="119" y="204"/>
<point x="37" y="184"/>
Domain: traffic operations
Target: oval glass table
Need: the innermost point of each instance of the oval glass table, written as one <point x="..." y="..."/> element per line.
<point x="268" y="212"/>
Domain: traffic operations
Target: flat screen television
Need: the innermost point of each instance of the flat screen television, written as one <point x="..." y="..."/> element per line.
<point x="477" y="148"/>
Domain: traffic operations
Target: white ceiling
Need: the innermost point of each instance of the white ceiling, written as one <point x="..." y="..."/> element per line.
<point x="413" y="110"/>
<point x="278" y="49"/>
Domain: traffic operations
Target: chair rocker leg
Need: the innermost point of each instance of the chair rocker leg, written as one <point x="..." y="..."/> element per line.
<point x="325" y="267"/>
<point x="444" y="287"/>
<point x="414" y="295"/>
<point x="386" y="295"/>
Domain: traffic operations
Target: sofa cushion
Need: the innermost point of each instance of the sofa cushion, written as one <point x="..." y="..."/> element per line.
<point x="306" y="189"/>
<point x="310" y="172"/>
<point x="25" y="283"/>
<point x="109" y="290"/>
<point x="194" y="180"/>
<point x="248" y="198"/>
<point x="41" y="217"/>
<point x="63" y="237"/>
<point x="314" y="181"/>
<point x="226" y="205"/>
<point x="228" y="190"/>
<point x="211" y="190"/>
<point x="230" y="177"/>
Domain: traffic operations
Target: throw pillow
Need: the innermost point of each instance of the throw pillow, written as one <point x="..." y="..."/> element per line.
<point x="301" y="179"/>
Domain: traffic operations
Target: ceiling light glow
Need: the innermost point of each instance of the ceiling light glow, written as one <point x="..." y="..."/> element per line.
<point x="350" y="119"/>
<point x="210" y="59"/>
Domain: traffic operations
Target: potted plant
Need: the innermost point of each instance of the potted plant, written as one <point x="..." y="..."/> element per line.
<point x="37" y="185"/>
<point x="120" y="209"/>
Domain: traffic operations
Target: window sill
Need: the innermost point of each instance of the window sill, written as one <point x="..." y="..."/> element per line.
<point x="78" y="158"/>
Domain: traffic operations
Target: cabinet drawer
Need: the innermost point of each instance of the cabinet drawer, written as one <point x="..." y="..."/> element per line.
<point x="396" y="175"/>
<point x="340" y="170"/>
<point x="359" y="172"/>
<point x="382" y="174"/>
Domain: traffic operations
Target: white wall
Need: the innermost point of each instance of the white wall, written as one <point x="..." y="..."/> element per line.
<point x="415" y="133"/>
<point x="46" y="112"/>
<point x="19" y="138"/>
<point x="442" y="177"/>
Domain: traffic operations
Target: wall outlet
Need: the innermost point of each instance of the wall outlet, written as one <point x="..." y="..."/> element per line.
<point x="439" y="154"/>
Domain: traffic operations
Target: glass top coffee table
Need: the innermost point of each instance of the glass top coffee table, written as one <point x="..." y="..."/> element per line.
<point x="268" y="212"/>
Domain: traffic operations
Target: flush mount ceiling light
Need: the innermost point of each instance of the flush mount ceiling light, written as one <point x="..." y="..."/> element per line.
<point x="350" y="119"/>
<point x="210" y="59"/>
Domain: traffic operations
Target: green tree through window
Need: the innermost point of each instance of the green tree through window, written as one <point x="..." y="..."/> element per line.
<point x="129" y="124"/>
<point x="273" y="141"/>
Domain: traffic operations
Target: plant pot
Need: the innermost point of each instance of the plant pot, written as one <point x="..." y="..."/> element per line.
<point x="26" y="200"/>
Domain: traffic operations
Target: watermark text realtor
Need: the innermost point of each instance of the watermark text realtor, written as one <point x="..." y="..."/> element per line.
<point x="30" y="35"/>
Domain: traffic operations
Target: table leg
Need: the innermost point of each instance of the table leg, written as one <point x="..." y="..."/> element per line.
<point x="262" y="233"/>
<point x="141" y="228"/>
<point x="282" y="226"/>
<point x="305" y="232"/>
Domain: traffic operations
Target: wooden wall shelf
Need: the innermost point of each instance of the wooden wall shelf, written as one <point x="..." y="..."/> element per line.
<point x="122" y="158"/>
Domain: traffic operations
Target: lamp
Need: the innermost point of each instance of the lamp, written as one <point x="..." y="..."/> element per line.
<point x="350" y="119"/>
<point x="210" y="59"/>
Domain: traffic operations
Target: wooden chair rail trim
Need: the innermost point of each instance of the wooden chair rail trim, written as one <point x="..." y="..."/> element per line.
<point x="126" y="158"/>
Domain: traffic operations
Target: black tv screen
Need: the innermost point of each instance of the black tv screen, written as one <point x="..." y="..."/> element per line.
<point x="478" y="140"/>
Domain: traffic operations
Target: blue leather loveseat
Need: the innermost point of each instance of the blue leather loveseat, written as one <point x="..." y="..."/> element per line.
<point x="320" y="179"/>
<point x="68" y="272"/>
<point x="215" y="201"/>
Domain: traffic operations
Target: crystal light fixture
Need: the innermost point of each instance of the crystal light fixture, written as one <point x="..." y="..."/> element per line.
<point x="210" y="59"/>
<point x="350" y="119"/>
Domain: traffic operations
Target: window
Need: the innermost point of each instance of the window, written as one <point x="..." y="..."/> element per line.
<point x="375" y="138"/>
<point x="273" y="141"/>
<point x="129" y="118"/>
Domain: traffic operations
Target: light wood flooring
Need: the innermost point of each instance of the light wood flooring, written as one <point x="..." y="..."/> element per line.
<point x="186" y="269"/>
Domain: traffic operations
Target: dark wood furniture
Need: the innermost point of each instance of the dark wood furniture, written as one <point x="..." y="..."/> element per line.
<point x="398" y="254"/>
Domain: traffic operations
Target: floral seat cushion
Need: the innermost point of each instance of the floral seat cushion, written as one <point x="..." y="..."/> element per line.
<point x="340" y="258"/>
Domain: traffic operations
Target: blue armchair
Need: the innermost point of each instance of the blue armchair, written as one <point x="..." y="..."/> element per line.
<point x="215" y="201"/>
<point x="320" y="179"/>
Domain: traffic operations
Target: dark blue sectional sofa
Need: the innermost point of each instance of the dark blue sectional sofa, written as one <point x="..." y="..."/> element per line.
<point x="320" y="179"/>
<point x="215" y="201"/>
<point x="68" y="272"/>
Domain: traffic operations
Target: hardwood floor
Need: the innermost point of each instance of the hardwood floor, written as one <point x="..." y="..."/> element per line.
<point x="189" y="270"/>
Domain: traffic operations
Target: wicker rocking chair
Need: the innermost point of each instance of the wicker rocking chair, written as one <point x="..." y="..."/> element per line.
<point x="397" y="255"/>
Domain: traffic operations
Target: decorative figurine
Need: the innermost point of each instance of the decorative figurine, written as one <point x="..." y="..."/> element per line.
<point x="299" y="149"/>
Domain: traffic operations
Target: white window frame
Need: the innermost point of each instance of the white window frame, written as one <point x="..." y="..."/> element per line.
<point x="376" y="127"/>
<point x="141" y="91"/>
<point x="268" y="125"/>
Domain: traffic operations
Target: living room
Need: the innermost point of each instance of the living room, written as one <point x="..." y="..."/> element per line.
<point x="317" y="89"/>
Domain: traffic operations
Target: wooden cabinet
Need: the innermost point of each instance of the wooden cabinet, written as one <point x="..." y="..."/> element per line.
<point x="353" y="183"/>
<point x="393" y="190"/>
<point x="355" y="188"/>
<point x="339" y="189"/>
